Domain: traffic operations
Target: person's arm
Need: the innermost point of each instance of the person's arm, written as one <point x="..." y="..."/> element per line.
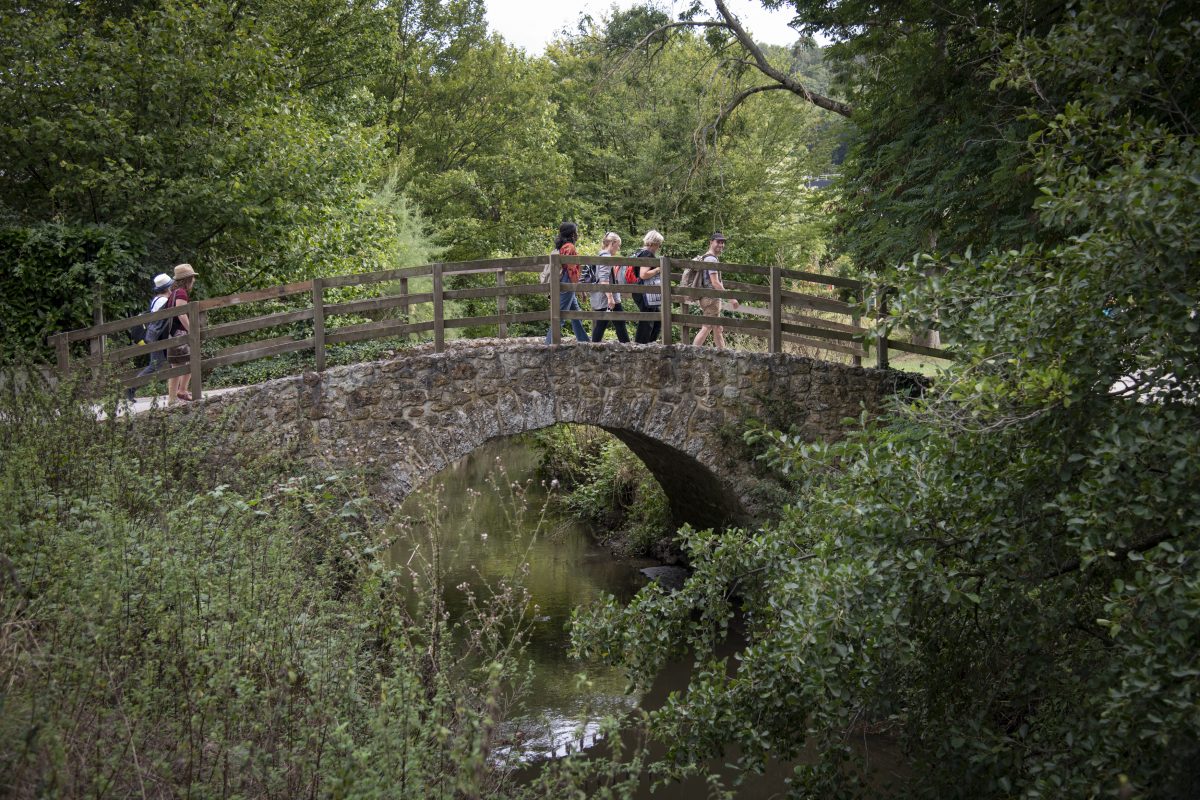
<point x="714" y="277"/>
<point x="182" y="319"/>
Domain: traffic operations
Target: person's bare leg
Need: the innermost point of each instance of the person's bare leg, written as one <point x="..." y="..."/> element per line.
<point x="701" y="336"/>
<point x="177" y="386"/>
<point x="719" y="337"/>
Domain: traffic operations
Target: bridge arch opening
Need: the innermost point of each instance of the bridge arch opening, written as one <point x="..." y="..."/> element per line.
<point x="695" y="494"/>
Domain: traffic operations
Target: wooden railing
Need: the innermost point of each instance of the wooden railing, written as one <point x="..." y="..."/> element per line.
<point x="778" y="312"/>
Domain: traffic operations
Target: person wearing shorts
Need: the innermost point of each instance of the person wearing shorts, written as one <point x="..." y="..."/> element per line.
<point x="711" y="306"/>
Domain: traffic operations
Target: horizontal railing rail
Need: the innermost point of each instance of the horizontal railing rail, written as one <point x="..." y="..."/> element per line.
<point x="781" y="310"/>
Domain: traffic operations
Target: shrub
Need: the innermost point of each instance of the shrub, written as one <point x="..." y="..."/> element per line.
<point x="50" y="274"/>
<point x="173" y="622"/>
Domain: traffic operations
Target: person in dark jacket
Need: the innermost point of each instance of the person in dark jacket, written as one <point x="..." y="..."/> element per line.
<point x="651" y="276"/>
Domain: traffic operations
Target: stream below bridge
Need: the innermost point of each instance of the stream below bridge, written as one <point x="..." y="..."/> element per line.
<point x="494" y="523"/>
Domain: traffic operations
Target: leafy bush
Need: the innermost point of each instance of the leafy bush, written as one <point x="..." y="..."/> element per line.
<point x="50" y="274"/>
<point x="1003" y="576"/>
<point x="175" y="621"/>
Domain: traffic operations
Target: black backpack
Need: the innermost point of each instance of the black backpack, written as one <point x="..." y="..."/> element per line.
<point x="142" y="334"/>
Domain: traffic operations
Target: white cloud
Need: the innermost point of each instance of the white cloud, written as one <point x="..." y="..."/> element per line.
<point x="532" y="23"/>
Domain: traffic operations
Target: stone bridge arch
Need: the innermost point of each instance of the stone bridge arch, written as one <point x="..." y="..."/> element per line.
<point x="680" y="409"/>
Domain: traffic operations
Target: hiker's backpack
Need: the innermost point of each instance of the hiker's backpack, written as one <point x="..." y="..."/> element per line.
<point x="626" y="275"/>
<point x="157" y="331"/>
<point x="695" y="277"/>
<point x="141" y="334"/>
<point x="692" y="277"/>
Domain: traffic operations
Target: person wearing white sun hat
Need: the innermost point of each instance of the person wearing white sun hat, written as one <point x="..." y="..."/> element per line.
<point x="156" y="331"/>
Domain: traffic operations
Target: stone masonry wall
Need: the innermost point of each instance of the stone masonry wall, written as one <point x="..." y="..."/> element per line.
<point x="681" y="409"/>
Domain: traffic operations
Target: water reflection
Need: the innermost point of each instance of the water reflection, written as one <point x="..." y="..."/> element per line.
<point x="493" y="528"/>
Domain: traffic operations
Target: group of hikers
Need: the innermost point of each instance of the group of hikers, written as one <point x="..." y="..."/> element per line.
<point x="169" y="291"/>
<point x="607" y="278"/>
<point x="173" y="290"/>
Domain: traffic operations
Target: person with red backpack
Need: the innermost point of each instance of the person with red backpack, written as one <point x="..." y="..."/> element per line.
<point x="608" y="274"/>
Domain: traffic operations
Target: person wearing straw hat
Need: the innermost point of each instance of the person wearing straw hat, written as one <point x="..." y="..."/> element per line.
<point x="156" y="331"/>
<point x="185" y="278"/>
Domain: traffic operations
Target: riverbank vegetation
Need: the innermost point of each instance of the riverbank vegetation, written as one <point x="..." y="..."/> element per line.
<point x="173" y="621"/>
<point x="599" y="480"/>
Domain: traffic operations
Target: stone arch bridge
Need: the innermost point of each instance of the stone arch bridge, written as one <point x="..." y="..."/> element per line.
<point x="681" y="409"/>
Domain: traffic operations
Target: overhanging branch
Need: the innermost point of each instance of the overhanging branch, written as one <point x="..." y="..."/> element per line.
<point x="740" y="97"/>
<point x="784" y="80"/>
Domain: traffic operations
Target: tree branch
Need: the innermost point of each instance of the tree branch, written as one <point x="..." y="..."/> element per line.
<point x="1075" y="564"/>
<point x="739" y="98"/>
<point x="764" y="66"/>
<point x="664" y="28"/>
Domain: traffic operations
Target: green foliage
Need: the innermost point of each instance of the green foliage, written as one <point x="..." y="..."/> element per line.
<point x="180" y="621"/>
<point x="50" y="274"/>
<point x="603" y="482"/>
<point x="190" y="127"/>
<point x="466" y="118"/>
<point x="1002" y="578"/>
<point x="920" y="76"/>
<point x="650" y="148"/>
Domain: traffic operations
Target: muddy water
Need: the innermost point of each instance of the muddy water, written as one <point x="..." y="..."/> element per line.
<point x="493" y="527"/>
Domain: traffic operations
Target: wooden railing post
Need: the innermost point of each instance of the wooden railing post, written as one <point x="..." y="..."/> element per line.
<point x="555" y="311"/>
<point x="439" y="319"/>
<point x="881" y="344"/>
<point x="501" y="305"/>
<point x="856" y="321"/>
<point x="404" y="308"/>
<point x="775" y="342"/>
<point x="664" y="274"/>
<point x="318" y="301"/>
<point x="96" y="344"/>
<point x="194" y="359"/>
<point x="62" y="351"/>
